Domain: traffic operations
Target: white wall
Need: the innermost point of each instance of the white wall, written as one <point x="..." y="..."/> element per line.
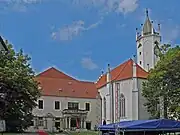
<point x="126" y="90"/>
<point x="126" y="87"/>
<point x="49" y="107"/>
<point x="135" y="108"/>
<point x="104" y="92"/>
<point x="147" y="51"/>
<point x="143" y="114"/>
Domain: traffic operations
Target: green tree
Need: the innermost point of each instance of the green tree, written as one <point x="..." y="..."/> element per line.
<point x="19" y="91"/>
<point x="164" y="81"/>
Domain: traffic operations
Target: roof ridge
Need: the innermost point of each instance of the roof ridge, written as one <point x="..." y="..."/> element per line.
<point x="85" y="81"/>
<point x="122" y="63"/>
<point x="113" y="69"/>
<point x="100" y="77"/>
<point x="50" y="68"/>
<point x="122" y="69"/>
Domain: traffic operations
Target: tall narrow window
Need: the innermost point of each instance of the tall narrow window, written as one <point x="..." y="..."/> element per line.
<point x="122" y="106"/>
<point x="117" y="101"/>
<point x="40" y="104"/>
<point x="87" y="105"/>
<point x="104" y="100"/>
<point x="57" y="105"/>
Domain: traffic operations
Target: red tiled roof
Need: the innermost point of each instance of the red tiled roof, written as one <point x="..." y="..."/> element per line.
<point x="121" y="72"/>
<point x="56" y="83"/>
<point x="54" y="73"/>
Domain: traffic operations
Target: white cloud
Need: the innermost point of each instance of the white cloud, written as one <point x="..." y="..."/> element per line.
<point x="106" y="6"/>
<point x="88" y="64"/>
<point x="21" y="1"/>
<point x="103" y="8"/>
<point x="19" y="5"/>
<point x="126" y="6"/>
<point x="72" y="30"/>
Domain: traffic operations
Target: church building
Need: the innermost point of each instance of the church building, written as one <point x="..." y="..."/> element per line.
<point x="121" y="88"/>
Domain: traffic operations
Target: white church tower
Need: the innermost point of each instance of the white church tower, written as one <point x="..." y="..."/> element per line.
<point x="148" y="42"/>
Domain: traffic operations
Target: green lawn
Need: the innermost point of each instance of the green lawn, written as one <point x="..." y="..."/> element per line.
<point x="85" y="133"/>
<point x="72" y="133"/>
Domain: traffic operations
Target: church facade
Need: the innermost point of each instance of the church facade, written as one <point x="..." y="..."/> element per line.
<point x="121" y="88"/>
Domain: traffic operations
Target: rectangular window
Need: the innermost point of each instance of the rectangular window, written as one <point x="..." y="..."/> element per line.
<point x="40" y="104"/>
<point x="57" y="105"/>
<point x="40" y="122"/>
<point x="140" y="62"/>
<point x="73" y="105"/>
<point x="87" y="106"/>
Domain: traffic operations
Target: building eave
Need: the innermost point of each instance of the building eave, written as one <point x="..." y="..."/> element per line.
<point x="114" y="81"/>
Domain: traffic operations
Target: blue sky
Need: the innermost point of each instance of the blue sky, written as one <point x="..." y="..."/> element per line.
<point x="80" y="37"/>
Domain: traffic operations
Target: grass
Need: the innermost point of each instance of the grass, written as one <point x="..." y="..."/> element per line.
<point x="72" y="133"/>
<point x="85" y="133"/>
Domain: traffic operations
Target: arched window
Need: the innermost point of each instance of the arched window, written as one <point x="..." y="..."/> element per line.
<point x="104" y="100"/>
<point x="156" y="49"/>
<point x="122" y="106"/>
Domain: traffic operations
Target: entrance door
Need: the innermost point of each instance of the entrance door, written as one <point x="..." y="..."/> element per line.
<point x="57" y="125"/>
<point x="73" y="122"/>
<point x="88" y="125"/>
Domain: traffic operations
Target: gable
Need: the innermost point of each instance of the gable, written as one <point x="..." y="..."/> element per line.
<point x="54" y="73"/>
<point x="122" y="72"/>
<point x="53" y="82"/>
